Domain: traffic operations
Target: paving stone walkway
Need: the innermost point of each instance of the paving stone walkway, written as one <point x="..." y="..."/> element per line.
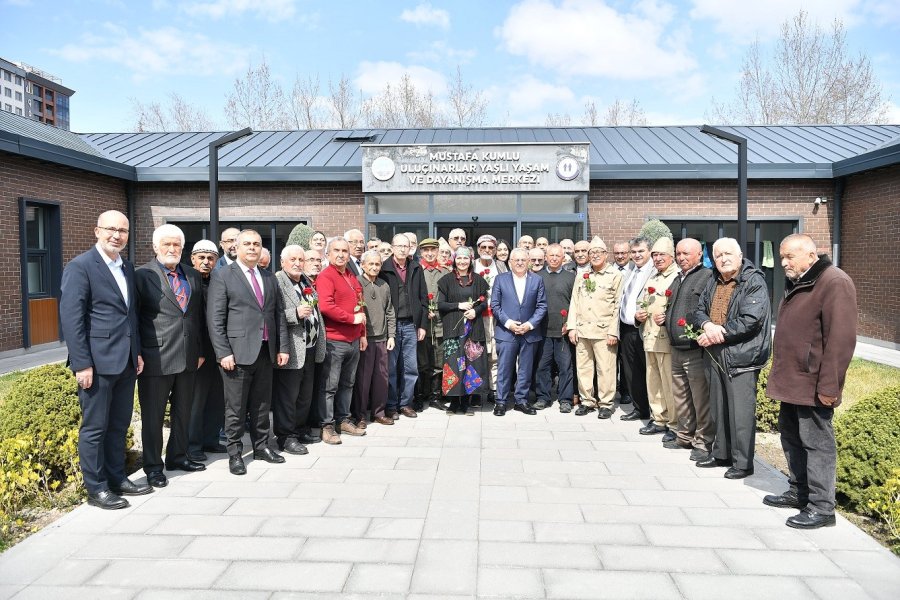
<point x="551" y="506"/>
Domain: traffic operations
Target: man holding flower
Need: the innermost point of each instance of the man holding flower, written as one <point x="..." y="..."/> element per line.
<point x="558" y="284"/>
<point x="430" y="358"/>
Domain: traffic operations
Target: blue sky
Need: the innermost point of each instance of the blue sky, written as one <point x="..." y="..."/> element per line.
<point x="531" y="57"/>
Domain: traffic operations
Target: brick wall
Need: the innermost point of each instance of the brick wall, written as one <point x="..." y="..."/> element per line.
<point x="871" y="224"/>
<point x="618" y="209"/>
<point x="330" y="207"/>
<point x="82" y="197"/>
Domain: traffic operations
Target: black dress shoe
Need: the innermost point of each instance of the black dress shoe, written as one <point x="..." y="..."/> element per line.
<point x="698" y="454"/>
<point x="810" y="519"/>
<point x="788" y="499"/>
<point x="186" y="465"/>
<point x="565" y="407"/>
<point x="130" y="488"/>
<point x="735" y="473"/>
<point x="197" y="456"/>
<point x="292" y="446"/>
<point x="157" y="479"/>
<point x="711" y="461"/>
<point x="583" y="410"/>
<point x="309" y="438"/>
<point x="632" y="416"/>
<point x="651" y="428"/>
<point x="107" y="500"/>
<point x="605" y="412"/>
<point x="669" y="436"/>
<point x="524" y="409"/>
<point x="217" y="449"/>
<point x="676" y="445"/>
<point x="540" y="405"/>
<point x="236" y="465"/>
<point x="267" y="455"/>
<point x="499" y="410"/>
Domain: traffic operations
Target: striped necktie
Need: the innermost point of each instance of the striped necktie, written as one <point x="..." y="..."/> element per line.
<point x="178" y="290"/>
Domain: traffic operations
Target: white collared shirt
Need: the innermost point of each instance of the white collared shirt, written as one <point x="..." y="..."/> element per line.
<point x="519" y="283"/>
<point x="634" y="284"/>
<point x="256" y="274"/>
<point x="115" y="267"/>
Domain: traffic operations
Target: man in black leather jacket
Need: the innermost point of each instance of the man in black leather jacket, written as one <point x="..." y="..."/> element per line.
<point x="734" y="317"/>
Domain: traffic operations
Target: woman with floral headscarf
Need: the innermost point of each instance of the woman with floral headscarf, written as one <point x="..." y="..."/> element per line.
<point x="462" y="298"/>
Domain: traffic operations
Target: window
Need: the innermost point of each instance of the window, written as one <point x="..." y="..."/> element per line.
<point x="49" y="111"/>
<point x="38" y="106"/>
<point x="7" y="107"/>
<point x="475" y="204"/>
<point x="48" y="96"/>
<point x="37" y="225"/>
<point x="7" y="75"/>
<point x="18" y="80"/>
<point x="7" y="92"/>
<point x="38" y="91"/>
<point x="18" y="111"/>
<point x="19" y="96"/>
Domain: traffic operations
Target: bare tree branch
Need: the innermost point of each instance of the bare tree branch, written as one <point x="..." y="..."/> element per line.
<point x="468" y="106"/>
<point x="256" y="101"/>
<point x="176" y="115"/>
<point x="343" y="104"/>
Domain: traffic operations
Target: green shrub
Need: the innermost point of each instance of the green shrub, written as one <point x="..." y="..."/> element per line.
<point x="885" y="503"/>
<point x="655" y="229"/>
<point x="300" y="235"/>
<point x="766" y="408"/>
<point x="868" y="447"/>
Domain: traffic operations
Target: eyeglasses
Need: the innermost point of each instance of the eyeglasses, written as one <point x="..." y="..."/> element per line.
<point x="485" y="247"/>
<point x="581" y="252"/>
<point x="537" y="260"/>
<point x="597" y="252"/>
<point x="458" y="237"/>
<point x="114" y="230"/>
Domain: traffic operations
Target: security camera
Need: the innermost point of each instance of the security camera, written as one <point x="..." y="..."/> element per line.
<point x="474" y="219"/>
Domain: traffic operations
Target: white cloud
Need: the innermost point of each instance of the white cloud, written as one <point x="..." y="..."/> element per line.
<point x="271" y="10"/>
<point x="441" y="52"/>
<point x="373" y="76"/>
<point x="893" y="113"/>
<point x="745" y="21"/>
<point x="588" y="37"/>
<point x="530" y="95"/>
<point x="425" y="14"/>
<point x="167" y="51"/>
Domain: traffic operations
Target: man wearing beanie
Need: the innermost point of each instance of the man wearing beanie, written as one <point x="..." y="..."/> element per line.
<point x="489" y="268"/>
<point x="651" y="313"/>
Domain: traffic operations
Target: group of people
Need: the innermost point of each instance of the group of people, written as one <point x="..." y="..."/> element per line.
<point x="348" y="333"/>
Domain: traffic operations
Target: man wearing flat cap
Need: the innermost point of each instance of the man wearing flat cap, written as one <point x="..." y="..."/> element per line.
<point x="651" y="314"/>
<point x="428" y="351"/>
<point x="593" y="326"/>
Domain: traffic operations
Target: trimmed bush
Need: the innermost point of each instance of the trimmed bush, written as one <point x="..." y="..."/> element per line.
<point x="300" y="235"/>
<point x="868" y="447"/>
<point x="766" y="408"/>
<point x="886" y="504"/>
<point x="655" y="229"/>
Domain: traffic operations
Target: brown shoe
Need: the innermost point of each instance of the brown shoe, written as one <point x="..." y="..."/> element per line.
<point x="362" y="424"/>
<point x="329" y="436"/>
<point x="408" y="412"/>
<point x="350" y="429"/>
<point x="391" y="415"/>
<point x="384" y="421"/>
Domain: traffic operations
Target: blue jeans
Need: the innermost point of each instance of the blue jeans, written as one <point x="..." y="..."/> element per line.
<point x="556" y="350"/>
<point x="403" y="370"/>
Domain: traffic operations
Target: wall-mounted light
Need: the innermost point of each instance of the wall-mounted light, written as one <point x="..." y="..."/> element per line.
<point x="820" y="200"/>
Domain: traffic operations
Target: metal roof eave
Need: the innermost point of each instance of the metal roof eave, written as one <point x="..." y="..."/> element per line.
<point x="723" y="171"/>
<point x="25" y="146"/>
<point x="882" y="157"/>
<point x="261" y="174"/>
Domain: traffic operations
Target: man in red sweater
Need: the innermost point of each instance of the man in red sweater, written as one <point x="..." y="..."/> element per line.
<point x="341" y="303"/>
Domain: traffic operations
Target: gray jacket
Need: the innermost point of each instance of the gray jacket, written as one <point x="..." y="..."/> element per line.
<point x="381" y="323"/>
<point x="296" y="329"/>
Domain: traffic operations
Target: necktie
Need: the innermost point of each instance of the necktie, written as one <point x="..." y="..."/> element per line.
<point x="178" y="290"/>
<point x="259" y="300"/>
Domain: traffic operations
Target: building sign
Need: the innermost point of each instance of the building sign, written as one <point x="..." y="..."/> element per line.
<point x="425" y="168"/>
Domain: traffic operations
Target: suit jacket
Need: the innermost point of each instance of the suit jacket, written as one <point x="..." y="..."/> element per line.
<point x="296" y="328"/>
<point x="171" y="339"/>
<point x="99" y="329"/>
<point x="505" y="306"/>
<point x="222" y="262"/>
<point x="235" y="319"/>
<point x="351" y="264"/>
<point x="416" y="289"/>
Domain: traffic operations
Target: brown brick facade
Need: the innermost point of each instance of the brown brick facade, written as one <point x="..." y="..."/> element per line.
<point x="82" y="197"/>
<point x="871" y="224"/>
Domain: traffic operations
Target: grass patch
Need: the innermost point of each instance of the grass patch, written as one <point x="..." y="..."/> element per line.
<point x="864" y="378"/>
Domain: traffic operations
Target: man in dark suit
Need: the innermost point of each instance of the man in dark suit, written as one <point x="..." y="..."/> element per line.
<point x="249" y="333"/>
<point x="98" y="314"/>
<point x="519" y="305"/>
<point x="228" y="243"/>
<point x="170" y="314"/>
<point x="357" y="243"/>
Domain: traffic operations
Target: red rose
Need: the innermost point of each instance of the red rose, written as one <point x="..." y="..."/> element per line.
<point x="481" y="298"/>
<point x="430" y="296"/>
<point x="651" y="290"/>
<point x="307" y="291"/>
<point x="682" y="322"/>
<point x="587" y="275"/>
<point x="485" y="273"/>
<point x="564" y="313"/>
<point x="668" y="293"/>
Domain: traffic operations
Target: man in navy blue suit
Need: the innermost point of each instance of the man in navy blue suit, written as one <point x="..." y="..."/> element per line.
<point x="98" y="314"/>
<point x="519" y="305"/>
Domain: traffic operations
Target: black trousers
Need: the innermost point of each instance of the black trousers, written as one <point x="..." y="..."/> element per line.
<point x="106" y="409"/>
<point x="154" y="391"/>
<point x="807" y="438"/>
<point x="208" y="408"/>
<point x="292" y="397"/>
<point x="634" y="367"/>
<point x="732" y="404"/>
<point x="248" y="388"/>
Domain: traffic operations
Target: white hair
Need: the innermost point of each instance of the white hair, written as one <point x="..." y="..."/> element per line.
<point x="349" y="231"/>
<point x="291" y="248"/>
<point x="370" y="254"/>
<point x="457" y="231"/>
<point x="331" y="242"/>
<point x="167" y="230"/>
<point x="727" y="241"/>
<point x="521" y="251"/>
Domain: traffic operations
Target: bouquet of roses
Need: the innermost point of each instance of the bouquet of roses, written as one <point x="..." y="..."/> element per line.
<point x="474" y="303"/>
<point x="589" y="284"/>
<point x="310" y="293"/>
<point x="692" y="333"/>
<point x="487" y="276"/>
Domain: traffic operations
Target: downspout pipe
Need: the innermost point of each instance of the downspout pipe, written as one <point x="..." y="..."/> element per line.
<point x="838" y="208"/>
